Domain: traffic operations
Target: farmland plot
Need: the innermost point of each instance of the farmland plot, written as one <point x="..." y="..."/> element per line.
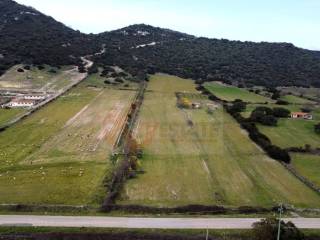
<point x="7" y="115"/>
<point x="192" y="157"/>
<point x="231" y="93"/>
<point x="39" y="80"/>
<point x="308" y="166"/>
<point x="292" y="133"/>
<point x="60" y="154"/>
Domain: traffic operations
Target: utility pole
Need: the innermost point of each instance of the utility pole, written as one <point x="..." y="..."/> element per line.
<point x="207" y="235"/>
<point x="279" y="226"/>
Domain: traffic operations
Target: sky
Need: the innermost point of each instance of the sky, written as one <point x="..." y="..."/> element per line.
<point x="295" y="21"/>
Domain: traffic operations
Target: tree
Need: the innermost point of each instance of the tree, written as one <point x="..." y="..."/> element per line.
<point x="278" y="153"/>
<point x="269" y="120"/>
<point x="264" y="115"/>
<point x="281" y="112"/>
<point x="267" y="229"/>
<point x="282" y="102"/>
<point x="238" y="106"/>
<point x="317" y="128"/>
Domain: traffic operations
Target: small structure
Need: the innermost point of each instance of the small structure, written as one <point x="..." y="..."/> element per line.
<point x="196" y="105"/>
<point x="301" y="115"/>
<point x="17" y="102"/>
<point x="35" y="97"/>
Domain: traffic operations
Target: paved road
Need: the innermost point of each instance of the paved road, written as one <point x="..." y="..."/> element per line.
<point x="163" y="223"/>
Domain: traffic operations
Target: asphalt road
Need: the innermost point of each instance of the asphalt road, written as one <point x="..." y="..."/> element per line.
<point x="155" y="223"/>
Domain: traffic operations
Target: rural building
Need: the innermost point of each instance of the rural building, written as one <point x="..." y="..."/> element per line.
<point x="196" y="105"/>
<point x="35" y="97"/>
<point x="21" y="103"/>
<point x="301" y="115"/>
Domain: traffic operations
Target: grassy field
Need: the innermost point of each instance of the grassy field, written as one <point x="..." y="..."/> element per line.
<point x="230" y="93"/>
<point x="60" y="154"/>
<point x="292" y="133"/>
<point x="6" y="115"/>
<point x="296" y="100"/>
<point x="308" y="166"/>
<point x="310" y="92"/>
<point x="210" y="162"/>
<point x="36" y="79"/>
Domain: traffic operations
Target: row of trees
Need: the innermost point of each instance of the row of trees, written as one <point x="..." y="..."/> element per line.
<point x="268" y="116"/>
<point x="255" y="135"/>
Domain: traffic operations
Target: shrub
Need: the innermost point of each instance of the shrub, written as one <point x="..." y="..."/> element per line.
<point x="267" y="229"/>
<point x="282" y="102"/>
<point x="20" y="70"/>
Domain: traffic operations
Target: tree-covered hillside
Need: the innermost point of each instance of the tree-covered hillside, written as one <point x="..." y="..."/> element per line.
<point x="30" y="37"/>
<point x="247" y="63"/>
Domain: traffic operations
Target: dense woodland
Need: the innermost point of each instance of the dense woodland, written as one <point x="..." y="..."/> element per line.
<point x="30" y="37"/>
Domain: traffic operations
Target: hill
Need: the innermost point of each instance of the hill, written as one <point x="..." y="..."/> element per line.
<point x="246" y="63"/>
<point x="30" y="37"/>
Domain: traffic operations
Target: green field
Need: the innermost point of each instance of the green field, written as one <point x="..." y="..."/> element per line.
<point x="210" y="162"/>
<point x="60" y="154"/>
<point x="296" y="100"/>
<point x="7" y="115"/>
<point x="308" y="166"/>
<point x="292" y="133"/>
<point x="230" y="93"/>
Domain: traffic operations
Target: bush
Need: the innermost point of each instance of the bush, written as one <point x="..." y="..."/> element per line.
<point x="93" y="70"/>
<point x="317" y="128"/>
<point x="119" y="80"/>
<point x="282" y="102"/>
<point x="27" y="67"/>
<point x="267" y="229"/>
<point x="107" y="82"/>
<point x="20" y="70"/>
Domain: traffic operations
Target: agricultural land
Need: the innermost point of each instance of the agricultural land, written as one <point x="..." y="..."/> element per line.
<point x="193" y="157"/>
<point x="60" y="154"/>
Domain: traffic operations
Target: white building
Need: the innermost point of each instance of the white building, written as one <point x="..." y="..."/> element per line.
<point x="35" y="97"/>
<point x="21" y="103"/>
